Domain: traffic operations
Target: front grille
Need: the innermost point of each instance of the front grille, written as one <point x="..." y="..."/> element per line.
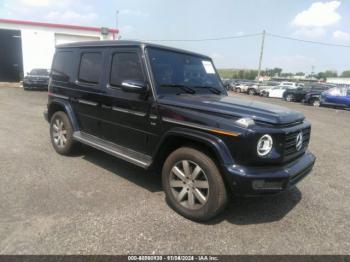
<point x="290" y="142"/>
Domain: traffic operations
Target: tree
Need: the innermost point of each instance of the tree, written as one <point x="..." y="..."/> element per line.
<point x="273" y="72"/>
<point x="300" y="74"/>
<point x="287" y="74"/>
<point x="327" y="74"/>
<point x="346" y="73"/>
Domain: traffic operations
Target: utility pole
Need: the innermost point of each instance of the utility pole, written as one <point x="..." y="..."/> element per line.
<point x="261" y="53"/>
<point x="117" y="20"/>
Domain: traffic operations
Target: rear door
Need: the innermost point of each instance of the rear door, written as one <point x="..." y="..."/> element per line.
<point x="277" y="92"/>
<point x="89" y="90"/>
<point x="129" y="119"/>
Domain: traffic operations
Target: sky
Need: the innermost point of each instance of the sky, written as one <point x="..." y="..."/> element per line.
<point x="325" y="21"/>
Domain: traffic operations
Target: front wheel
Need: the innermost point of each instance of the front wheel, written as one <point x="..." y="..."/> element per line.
<point x="193" y="184"/>
<point x="316" y="102"/>
<point x="251" y="92"/>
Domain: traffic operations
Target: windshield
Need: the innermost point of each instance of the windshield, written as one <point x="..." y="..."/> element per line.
<point x="177" y="73"/>
<point x="39" y="72"/>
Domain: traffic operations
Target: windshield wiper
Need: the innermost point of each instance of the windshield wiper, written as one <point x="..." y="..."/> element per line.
<point x="211" y="89"/>
<point x="187" y="89"/>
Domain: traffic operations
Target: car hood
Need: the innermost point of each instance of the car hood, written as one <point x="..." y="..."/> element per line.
<point x="235" y="107"/>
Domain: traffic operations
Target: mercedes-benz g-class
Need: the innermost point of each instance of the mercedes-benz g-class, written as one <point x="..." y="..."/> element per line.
<point x="165" y="108"/>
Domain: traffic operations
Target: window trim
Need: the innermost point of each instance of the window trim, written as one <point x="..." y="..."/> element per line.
<point x="115" y="52"/>
<point x="84" y="82"/>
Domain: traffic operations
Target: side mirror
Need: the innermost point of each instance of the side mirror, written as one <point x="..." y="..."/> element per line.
<point x="132" y="86"/>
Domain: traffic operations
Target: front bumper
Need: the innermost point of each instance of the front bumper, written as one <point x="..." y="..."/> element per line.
<point x="35" y="84"/>
<point x="254" y="181"/>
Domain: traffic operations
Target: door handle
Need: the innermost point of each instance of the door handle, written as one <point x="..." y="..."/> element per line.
<point x="86" y="102"/>
<point x="106" y="107"/>
<point x="74" y="99"/>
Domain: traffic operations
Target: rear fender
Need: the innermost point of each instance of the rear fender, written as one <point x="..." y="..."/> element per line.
<point x="67" y="108"/>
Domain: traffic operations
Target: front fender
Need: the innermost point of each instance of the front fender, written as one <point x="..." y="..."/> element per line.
<point x="55" y="105"/>
<point x="214" y="142"/>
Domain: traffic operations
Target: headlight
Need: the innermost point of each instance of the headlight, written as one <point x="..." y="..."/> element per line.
<point x="264" y="145"/>
<point x="245" y="122"/>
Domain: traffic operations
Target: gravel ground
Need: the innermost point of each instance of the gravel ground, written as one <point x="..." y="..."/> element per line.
<point x="92" y="203"/>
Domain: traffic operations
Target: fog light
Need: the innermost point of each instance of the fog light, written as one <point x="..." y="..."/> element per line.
<point x="264" y="146"/>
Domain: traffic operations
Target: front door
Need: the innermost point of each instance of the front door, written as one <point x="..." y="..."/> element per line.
<point x="128" y="119"/>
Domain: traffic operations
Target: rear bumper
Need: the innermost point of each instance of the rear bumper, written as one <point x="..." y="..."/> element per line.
<point x="255" y="181"/>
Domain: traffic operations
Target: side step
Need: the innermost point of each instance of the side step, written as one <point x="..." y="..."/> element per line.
<point x="126" y="154"/>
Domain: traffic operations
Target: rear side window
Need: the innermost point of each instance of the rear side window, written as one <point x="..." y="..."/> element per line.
<point x="125" y="66"/>
<point x="90" y="68"/>
<point x="62" y="66"/>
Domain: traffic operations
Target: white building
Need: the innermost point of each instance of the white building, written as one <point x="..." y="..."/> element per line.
<point x="25" y="45"/>
<point x="339" y="80"/>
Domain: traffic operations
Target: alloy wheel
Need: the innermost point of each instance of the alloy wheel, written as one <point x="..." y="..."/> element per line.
<point x="189" y="184"/>
<point x="59" y="133"/>
<point x="289" y="98"/>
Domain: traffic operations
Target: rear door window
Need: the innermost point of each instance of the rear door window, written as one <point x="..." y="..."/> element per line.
<point x="125" y="66"/>
<point x="62" y="66"/>
<point x="90" y="67"/>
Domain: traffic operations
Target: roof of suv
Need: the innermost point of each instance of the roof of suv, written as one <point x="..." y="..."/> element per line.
<point x="119" y="43"/>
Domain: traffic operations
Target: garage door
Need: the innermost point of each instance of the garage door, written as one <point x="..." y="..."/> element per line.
<point x="64" y="39"/>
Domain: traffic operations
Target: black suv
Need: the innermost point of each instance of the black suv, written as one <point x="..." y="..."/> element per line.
<point x="36" y="79"/>
<point x="299" y="94"/>
<point x="165" y="108"/>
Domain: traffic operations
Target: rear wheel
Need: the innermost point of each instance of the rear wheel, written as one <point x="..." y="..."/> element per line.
<point x="316" y="102"/>
<point x="61" y="132"/>
<point x="290" y="98"/>
<point x="193" y="184"/>
<point x="251" y="92"/>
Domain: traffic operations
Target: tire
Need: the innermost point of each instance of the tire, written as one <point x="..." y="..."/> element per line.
<point x="290" y="98"/>
<point x="316" y="102"/>
<point x="251" y="92"/>
<point x="61" y="133"/>
<point x="238" y="90"/>
<point x="209" y="180"/>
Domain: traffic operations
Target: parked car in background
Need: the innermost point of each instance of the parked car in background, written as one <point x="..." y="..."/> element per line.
<point x="312" y="97"/>
<point x="278" y="91"/>
<point x="275" y="92"/>
<point x="336" y="97"/>
<point x="37" y="79"/>
<point x="298" y="94"/>
<point x="245" y="86"/>
<point x="291" y="84"/>
<point x="253" y="89"/>
<point x="226" y="82"/>
<point x="266" y="85"/>
<point x="230" y="84"/>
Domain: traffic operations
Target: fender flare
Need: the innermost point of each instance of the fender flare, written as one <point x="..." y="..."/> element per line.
<point x="215" y="143"/>
<point x="67" y="108"/>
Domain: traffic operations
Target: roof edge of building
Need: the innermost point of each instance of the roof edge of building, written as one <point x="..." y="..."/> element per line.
<point x="53" y="25"/>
